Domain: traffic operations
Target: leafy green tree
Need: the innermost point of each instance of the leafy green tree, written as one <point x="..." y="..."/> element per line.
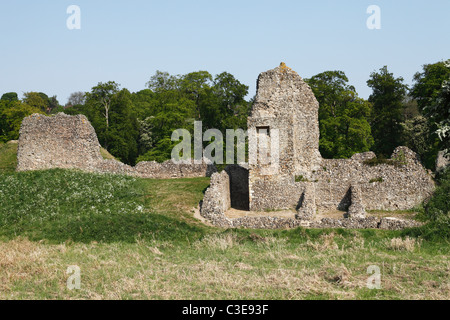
<point x="123" y="132"/>
<point x="111" y="113"/>
<point x="231" y="93"/>
<point x="161" y="152"/>
<point x="416" y="135"/>
<point x="11" y="116"/>
<point x="439" y="111"/>
<point x="343" y="116"/>
<point x="196" y="86"/>
<point x="162" y="81"/>
<point x="431" y="91"/>
<point x="10" y="96"/>
<point x="387" y="99"/>
<point x="428" y="83"/>
<point x="36" y="100"/>
<point x="145" y="103"/>
<point x="102" y="95"/>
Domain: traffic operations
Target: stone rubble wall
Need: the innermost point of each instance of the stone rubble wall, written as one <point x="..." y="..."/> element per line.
<point x="381" y="187"/>
<point x="217" y="201"/>
<point x="442" y="162"/>
<point x="285" y="104"/>
<point x="70" y="142"/>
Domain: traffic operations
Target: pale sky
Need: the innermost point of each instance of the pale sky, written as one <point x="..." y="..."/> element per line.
<point x="127" y="41"/>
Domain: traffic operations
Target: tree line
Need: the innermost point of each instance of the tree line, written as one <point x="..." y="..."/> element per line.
<point x="138" y="126"/>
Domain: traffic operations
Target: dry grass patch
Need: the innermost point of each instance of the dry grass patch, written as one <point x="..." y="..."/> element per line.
<point x="407" y="244"/>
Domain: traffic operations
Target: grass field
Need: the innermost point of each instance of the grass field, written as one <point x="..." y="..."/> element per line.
<point x="138" y="239"/>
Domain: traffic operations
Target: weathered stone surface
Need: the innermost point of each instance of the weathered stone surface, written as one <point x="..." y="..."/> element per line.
<point x="61" y="141"/>
<point x="364" y="156"/>
<point x="442" y="162"/>
<point x="284" y="104"/>
<point x="307" y="205"/>
<point x="217" y="200"/>
<point x="70" y="142"/>
<point x="356" y="209"/>
<point x="397" y="224"/>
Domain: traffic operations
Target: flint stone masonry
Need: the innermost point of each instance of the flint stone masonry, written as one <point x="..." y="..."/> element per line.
<point x="217" y="201"/>
<point x="286" y="106"/>
<point x="442" y="162"/>
<point x="356" y="209"/>
<point x="70" y="142"/>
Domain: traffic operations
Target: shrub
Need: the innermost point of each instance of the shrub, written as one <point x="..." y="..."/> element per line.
<point x="439" y="205"/>
<point x="437" y="212"/>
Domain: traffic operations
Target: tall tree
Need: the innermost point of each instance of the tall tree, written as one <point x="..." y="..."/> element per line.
<point x="343" y="116"/>
<point x="387" y="99"/>
<point x="439" y="111"/>
<point x="429" y="94"/>
<point x="428" y="83"/>
<point x="197" y="87"/>
<point x="102" y="94"/>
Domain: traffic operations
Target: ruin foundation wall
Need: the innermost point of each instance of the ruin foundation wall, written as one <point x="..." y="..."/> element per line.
<point x="70" y="142"/>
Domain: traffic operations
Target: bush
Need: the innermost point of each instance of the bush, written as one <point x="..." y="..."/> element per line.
<point x="439" y="205"/>
<point x="437" y="212"/>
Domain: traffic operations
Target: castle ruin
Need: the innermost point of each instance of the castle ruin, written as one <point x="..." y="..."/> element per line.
<point x="303" y="181"/>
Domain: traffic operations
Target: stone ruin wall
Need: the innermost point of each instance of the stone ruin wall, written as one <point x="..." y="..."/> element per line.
<point x="217" y="201"/>
<point x="70" y="142"/>
<point x="402" y="186"/>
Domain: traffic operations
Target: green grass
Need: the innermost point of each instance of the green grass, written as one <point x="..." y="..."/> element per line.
<point x="106" y="155"/>
<point x="8" y="157"/>
<point x="61" y="205"/>
<point x="138" y="239"/>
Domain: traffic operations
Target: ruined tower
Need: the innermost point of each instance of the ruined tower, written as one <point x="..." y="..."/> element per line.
<point x="286" y="113"/>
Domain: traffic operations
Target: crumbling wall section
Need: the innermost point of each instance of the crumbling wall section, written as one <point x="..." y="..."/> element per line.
<point x="62" y="141"/>
<point x="399" y="184"/>
<point x="217" y="200"/>
<point x="70" y="142"/>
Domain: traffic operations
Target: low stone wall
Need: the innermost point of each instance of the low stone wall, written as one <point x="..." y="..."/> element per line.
<point x="395" y="186"/>
<point x="400" y="185"/>
<point x="217" y="201"/>
<point x="70" y="142"/>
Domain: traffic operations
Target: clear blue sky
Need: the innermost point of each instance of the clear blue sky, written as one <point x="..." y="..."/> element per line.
<point x="127" y="41"/>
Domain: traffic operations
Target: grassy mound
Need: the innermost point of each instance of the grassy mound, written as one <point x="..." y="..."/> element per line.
<point x="61" y="205"/>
